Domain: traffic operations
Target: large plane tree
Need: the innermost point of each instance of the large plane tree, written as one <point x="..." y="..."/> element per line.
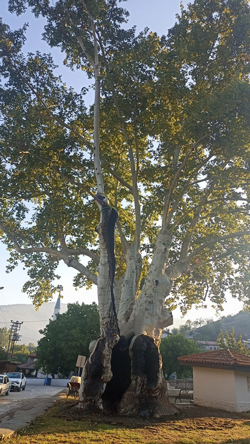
<point x="166" y="146"/>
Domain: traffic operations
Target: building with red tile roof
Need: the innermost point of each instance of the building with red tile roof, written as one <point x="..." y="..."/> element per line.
<point x="223" y="359"/>
<point x="221" y="379"/>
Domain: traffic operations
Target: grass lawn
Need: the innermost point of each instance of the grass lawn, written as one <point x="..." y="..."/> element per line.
<point x="65" y="425"/>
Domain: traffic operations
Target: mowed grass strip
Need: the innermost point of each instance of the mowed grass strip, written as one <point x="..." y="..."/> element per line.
<point x="56" y="427"/>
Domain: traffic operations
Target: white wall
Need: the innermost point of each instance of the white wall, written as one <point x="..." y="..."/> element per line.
<point x="242" y="391"/>
<point x="224" y="389"/>
<point x="54" y="382"/>
<point x="214" y="388"/>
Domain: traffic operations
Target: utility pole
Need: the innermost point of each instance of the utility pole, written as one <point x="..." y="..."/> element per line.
<point x="14" y="335"/>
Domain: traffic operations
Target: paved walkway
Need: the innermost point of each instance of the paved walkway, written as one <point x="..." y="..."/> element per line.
<point x="16" y="413"/>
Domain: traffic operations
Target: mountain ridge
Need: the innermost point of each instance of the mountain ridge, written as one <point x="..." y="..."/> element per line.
<point x="240" y="322"/>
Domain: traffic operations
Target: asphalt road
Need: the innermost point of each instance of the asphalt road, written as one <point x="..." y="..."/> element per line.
<point x="19" y="408"/>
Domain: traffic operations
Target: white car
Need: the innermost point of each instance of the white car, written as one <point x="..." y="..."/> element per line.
<point x="4" y="385"/>
<point x="18" y="381"/>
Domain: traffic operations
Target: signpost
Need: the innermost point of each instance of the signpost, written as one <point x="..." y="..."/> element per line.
<point x="80" y="362"/>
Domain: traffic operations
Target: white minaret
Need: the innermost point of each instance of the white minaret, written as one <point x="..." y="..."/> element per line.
<point x="57" y="308"/>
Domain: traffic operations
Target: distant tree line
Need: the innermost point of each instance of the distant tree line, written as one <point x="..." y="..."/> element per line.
<point x="209" y="330"/>
<point x="21" y="351"/>
<point x="190" y="328"/>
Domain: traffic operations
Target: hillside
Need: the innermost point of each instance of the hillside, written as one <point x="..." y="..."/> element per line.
<point x="240" y="322"/>
<point x="33" y="320"/>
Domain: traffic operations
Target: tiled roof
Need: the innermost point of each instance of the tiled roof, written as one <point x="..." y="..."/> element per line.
<point x="217" y="359"/>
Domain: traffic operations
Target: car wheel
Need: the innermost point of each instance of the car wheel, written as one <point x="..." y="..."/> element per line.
<point x="8" y="392"/>
<point x="24" y="387"/>
<point x="19" y="389"/>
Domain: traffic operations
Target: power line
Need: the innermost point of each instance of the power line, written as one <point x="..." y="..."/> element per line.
<point x="26" y="337"/>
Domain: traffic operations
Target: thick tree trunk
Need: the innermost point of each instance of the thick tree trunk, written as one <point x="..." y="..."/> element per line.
<point x="147" y="394"/>
<point x="125" y="377"/>
<point x="124" y="371"/>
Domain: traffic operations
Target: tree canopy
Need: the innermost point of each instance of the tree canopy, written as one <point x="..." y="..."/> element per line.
<point x="4" y="337"/>
<point x="172" y="348"/>
<point x="229" y="341"/>
<point x="66" y="338"/>
<point x="174" y="147"/>
<point x="190" y="327"/>
<point x="22" y="351"/>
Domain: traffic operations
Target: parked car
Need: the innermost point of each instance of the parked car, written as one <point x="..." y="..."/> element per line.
<point x="4" y="385"/>
<point x="18" y="381"/>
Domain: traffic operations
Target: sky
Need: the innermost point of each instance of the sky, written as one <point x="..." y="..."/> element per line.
<point x="159" y="16"/>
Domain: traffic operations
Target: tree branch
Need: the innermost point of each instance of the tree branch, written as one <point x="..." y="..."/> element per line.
<point x="187" y="238"/>
<point x="183" y="191"/>
<point x="65" y="125"/>
<point x="83" y="251"/>
<point x="217" y="240"/>
<point x="96" y="66"/>
<point x="124" y="242"/>
<point x="89" y="58"/>
<point x="174" y="183"/>
<point x="82" y="269"/>
<point x="116" y="176"/>
<point x="133" y="172"/>
<point x="59" y="255"/>
<point x="233" y="210"/>
<point x="227" y="253"/>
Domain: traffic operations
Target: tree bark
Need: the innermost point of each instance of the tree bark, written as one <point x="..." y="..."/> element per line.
<point x="124" y="371"/>
<point x="125" y="377"/>
<point x="147" y="394"/>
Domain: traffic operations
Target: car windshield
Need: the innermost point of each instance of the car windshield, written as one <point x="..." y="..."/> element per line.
<point x="1" y="379"/>
<point x="14" y="375"/>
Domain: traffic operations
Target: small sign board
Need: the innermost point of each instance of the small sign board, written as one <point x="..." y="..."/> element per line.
<point x="80" y="361"/>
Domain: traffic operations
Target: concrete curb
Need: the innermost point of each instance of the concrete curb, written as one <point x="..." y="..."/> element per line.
<point x="20" y="417"/>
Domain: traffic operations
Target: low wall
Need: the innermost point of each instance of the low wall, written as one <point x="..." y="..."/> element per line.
<point x="184" y="384"/>
<point x="54" y="382"/>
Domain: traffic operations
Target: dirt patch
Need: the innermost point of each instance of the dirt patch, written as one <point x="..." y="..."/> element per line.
<point x="195" y="411"/>
<point x="196" y="418"/>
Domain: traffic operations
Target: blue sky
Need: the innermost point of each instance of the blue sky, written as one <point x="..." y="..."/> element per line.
<point x="159" y="16"/>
